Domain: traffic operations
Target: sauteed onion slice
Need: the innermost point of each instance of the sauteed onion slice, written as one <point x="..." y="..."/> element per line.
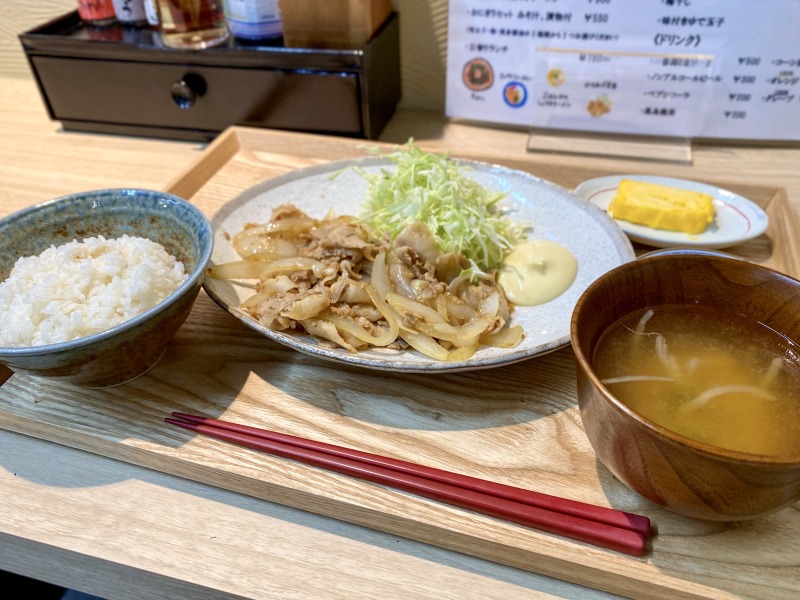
<point x="330" y="278"/>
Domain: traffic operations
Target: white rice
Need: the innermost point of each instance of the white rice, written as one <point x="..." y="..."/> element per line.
<point x="82" y="288"/>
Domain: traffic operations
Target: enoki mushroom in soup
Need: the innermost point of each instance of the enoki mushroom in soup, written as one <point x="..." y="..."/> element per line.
<point x="336" y="279"/>
<point x="717" y="377"/>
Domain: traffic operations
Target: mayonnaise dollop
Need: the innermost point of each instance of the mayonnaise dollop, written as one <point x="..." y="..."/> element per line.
<point x="537" y="272"/>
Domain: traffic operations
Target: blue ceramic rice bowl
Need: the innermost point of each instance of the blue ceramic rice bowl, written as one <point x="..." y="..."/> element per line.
<point x="127" y="350"/>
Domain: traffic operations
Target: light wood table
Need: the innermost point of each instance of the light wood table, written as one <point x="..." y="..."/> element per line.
<point x="120" y="531"/>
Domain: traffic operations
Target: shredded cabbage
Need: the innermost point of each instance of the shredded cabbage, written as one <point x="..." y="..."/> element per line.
<point x="462" y="215"/>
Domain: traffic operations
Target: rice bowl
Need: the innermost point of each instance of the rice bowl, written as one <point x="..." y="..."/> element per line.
<point x="132" y="347"/>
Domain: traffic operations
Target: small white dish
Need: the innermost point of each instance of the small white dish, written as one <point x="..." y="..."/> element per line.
<point x="553" y="212"/>
<point x="737" y="219"/>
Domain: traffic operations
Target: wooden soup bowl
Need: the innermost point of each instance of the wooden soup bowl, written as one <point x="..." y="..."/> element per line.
<point x="680" y="474"/>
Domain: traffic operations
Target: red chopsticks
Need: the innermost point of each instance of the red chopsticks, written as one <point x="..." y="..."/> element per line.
<point x="617" y="530"/>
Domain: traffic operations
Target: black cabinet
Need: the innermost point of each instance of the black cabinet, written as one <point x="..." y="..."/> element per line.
<point x="123" y="80"/>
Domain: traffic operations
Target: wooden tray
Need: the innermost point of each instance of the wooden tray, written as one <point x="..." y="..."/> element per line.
<point x="517" y="424"/>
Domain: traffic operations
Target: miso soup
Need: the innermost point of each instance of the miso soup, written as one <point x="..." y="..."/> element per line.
<point x="717" y="377"/>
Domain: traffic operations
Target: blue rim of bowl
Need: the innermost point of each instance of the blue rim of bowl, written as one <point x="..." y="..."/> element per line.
<point x="195" y="275"/>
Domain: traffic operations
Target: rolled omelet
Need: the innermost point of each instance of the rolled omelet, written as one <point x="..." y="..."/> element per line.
<point x="662" y="207"/>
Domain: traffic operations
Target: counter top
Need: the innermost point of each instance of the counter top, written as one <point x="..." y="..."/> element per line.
<point x="119" y="531"/>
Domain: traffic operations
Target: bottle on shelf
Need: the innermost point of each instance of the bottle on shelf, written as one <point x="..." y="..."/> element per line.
<point x="254" y="19"/>
<point x="130" y="12"/>
<point x="96" y="12"/>
<point x="191" y="24"/>
<point x="151" y="12"/>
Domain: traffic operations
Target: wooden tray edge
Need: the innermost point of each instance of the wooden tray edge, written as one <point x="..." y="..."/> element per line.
<point x="211" y="160"/>
<point x="784" y="224"/>
<point x="784" y="220"/>
<point x="633" y="579"/>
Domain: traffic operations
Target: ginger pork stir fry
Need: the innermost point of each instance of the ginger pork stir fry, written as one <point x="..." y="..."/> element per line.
<point x="336" y="279"/>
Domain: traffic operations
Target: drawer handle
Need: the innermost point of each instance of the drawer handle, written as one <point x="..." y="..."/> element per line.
<point x="187" y="90"/>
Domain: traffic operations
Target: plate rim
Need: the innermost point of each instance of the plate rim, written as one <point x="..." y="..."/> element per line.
<point x="298" y="342"/>
<point x="659" y="240"/>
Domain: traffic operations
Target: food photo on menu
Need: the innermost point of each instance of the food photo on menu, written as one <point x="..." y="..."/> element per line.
<point x="503" y="305"/>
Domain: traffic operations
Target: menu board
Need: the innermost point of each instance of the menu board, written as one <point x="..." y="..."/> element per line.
<point x="680" y="68"/>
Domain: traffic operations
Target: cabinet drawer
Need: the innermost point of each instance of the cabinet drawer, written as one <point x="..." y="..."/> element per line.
<point x="126" y="82"/>
<point x="183" y="96"/>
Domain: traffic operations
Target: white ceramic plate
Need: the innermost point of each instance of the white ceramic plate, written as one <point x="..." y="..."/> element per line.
<point x="555" y="214"/>
<point x="737" y="219"/>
